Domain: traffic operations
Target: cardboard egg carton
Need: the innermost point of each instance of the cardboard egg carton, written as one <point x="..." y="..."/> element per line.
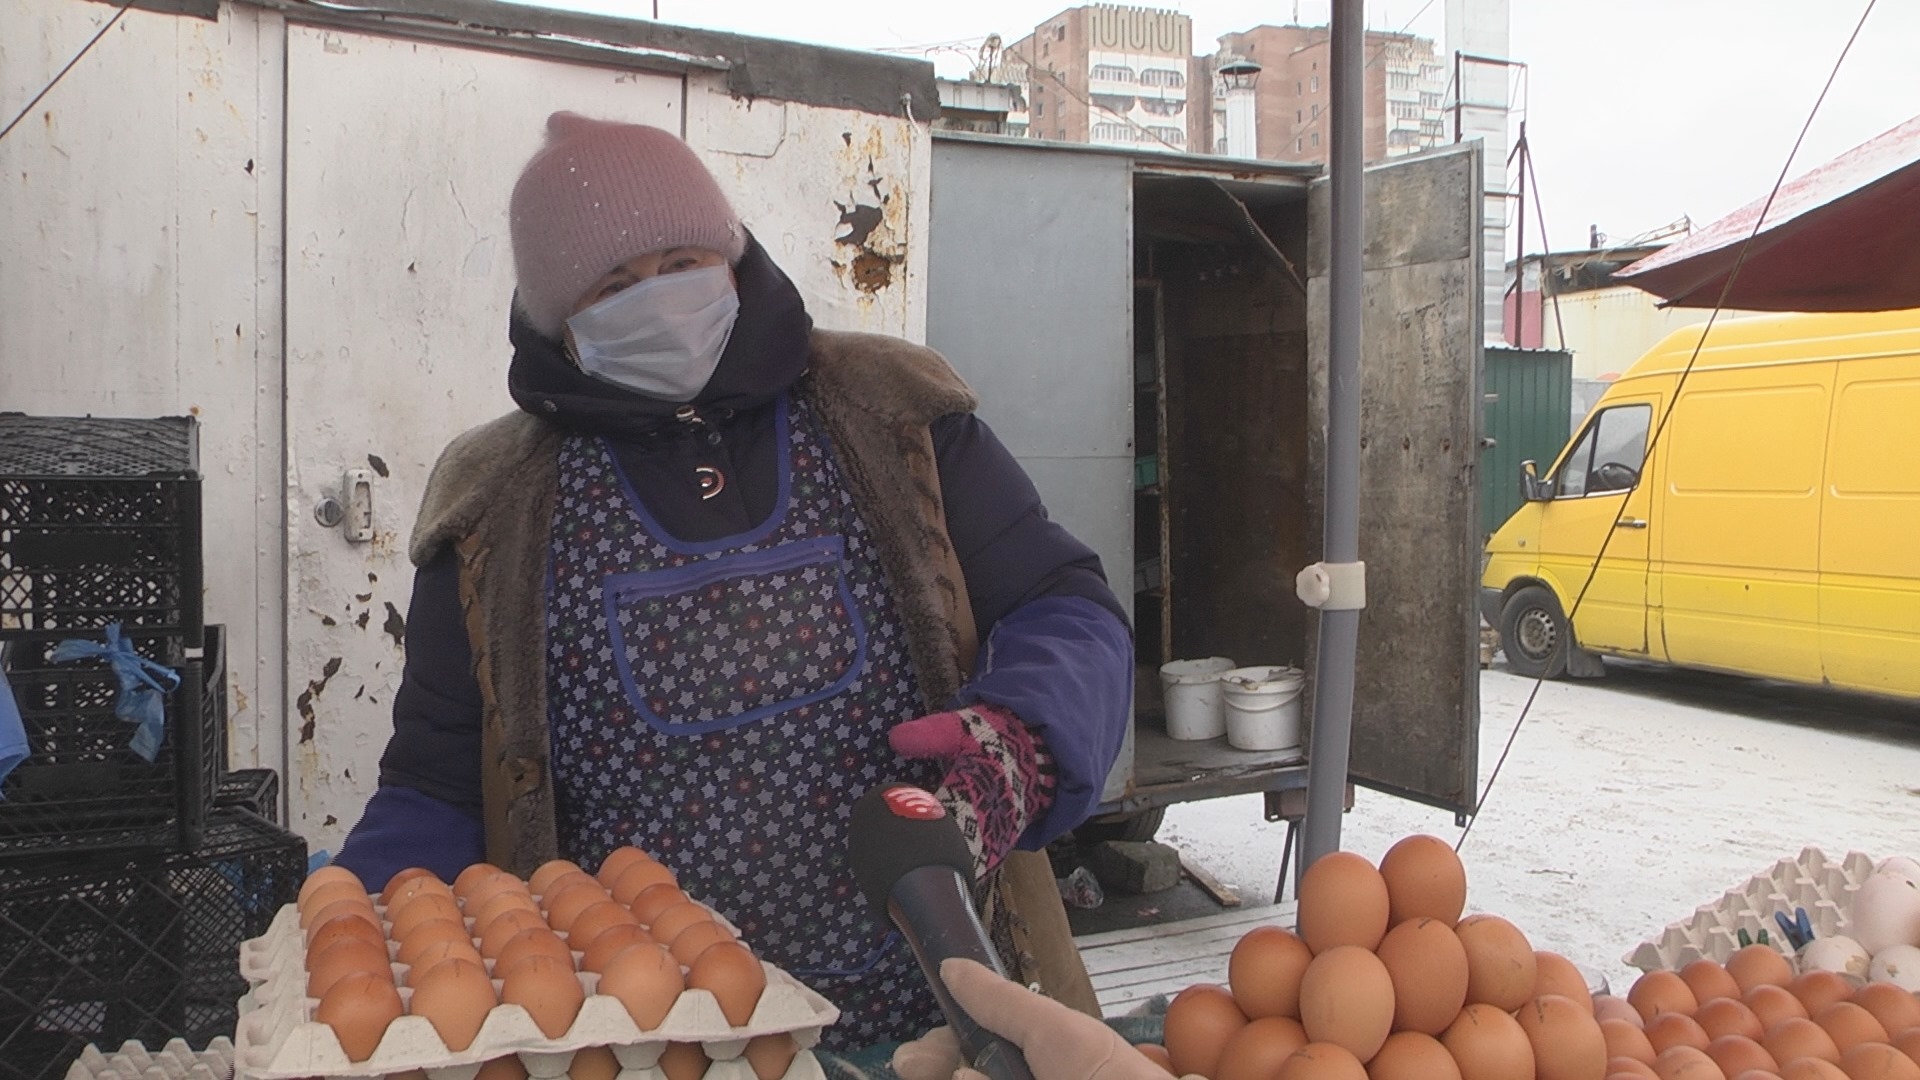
<point x="1823" y="886"/>
<point x="278" y="1039"/>
<point x="174" y="1061"/>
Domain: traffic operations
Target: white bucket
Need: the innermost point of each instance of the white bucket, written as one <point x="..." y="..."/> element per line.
<point x="1263" y="707"/>
<point x="1191" y="689"/>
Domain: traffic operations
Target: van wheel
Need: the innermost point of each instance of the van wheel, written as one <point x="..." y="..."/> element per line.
<point x="1534" y="634"/>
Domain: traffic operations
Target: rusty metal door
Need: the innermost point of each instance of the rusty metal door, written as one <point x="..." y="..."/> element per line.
<point x="1416" y="721"/>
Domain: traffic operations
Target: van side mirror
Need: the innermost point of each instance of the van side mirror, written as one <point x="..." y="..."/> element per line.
<point x="1532" y="488"/>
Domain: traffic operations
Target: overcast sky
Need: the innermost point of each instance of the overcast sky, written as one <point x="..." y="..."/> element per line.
<point x="1639" y="111"/>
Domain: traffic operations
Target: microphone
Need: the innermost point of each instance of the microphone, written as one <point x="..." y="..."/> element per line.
<point x="913" y="865"/>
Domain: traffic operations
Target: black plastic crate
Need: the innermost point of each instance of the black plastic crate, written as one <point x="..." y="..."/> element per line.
<point x="102" y="950"/>
<point x="83" y="788"/>
<point x="256" y="791"/>
<point x="100" y="523"/>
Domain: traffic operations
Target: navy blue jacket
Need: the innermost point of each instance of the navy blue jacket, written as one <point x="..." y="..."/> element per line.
<point x="1056" y="649"/>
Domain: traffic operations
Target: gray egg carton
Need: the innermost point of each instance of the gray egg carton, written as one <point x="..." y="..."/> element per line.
<point x="174" y="1061"/>
<point x="1823" y="886"/>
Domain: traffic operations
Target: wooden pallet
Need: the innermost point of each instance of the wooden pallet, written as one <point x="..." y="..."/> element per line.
<point x="1131" y="967"/>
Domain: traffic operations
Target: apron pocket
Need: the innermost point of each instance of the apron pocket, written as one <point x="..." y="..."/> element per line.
<point x="737" y="638"/>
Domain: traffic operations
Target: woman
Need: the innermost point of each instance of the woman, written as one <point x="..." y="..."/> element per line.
<point x="722" y="574"/>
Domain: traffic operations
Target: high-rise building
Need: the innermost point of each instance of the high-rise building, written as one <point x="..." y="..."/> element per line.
<point x="1405" y="83"/>
<point x="1116" y="76"/>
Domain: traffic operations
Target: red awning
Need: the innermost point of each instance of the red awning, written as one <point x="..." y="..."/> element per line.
<point x="1844" y="237"/>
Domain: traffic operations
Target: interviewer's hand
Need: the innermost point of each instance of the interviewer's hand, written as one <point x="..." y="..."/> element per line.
<point x="1060" y="1044"/>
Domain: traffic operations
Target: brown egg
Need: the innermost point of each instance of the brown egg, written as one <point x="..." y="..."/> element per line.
<point x="1812" y="1069"/>
<point x="1819" y="989"/>
<point x="323" y="877"/>
<point x="1659" y="992"/>
<point x="770" y="1056"/>
<point x="1908" y="1043"/>
<point x="344" y="926"/>
<point x="1428" y="966"/>
<point x="1322" y="1061"/>
<point x="1265" y="972"/>
<point x="425" y="907"/>
<point x="1200" y="1022"/>
<point x="688" y="944"/>
<point x="1343" y="901"/>
<point x="564" y="884"/>
<point x="359" y="1009"/>
<point x="1736" y="1054"/>
<point x="572" y="900"/>
<point x="733" y="975"/>
<point x="1347" y="998"/>
<point x="1489" y="1045"/>
<point x="1726" y="1016"/>
<point x="329" y="894"/>
<point x="1567" y="1042"/>
<point x="415" y="887"/>
<point x="466" y="880"/>
<point x="499" y="904"/>
<point x="1758" y="1074"/>
<point x="505" y="927"/>
<point x="347" y="956"/>
<point x="1686" y="1063"/>
<point x="646" y="979"/>
<point x="667" y="925"/>
<point x="1790" y="1040"/>
<point x="593" y="1063"/>
<point x="1709" y="981"/>
<point x="1759" y="965"/>
<point x="683" y="1061"/>
<point x="1878" y="1061"/>
<point x="617" y="862"/>
<point x="506" y="1068"/>
<point x="534" y="941"/>
<point x="592" y="922"/>
<point x="1850" y="1025"/>
<point x="1157" y="1054"/>
<point x="1629" y="1069"/>
<point x="482" y="895"/>
<point x="1555" y="974"/>
<point x="1896" y="1009"/>
<point x="549" y="991"/>
<point x="359" y="909"/>
<point x="1409" y="1055"/>
<point x="1608" y="1007"/>
<point x="1501" y="969"/>
<point x="438" y="953"/>
<point x="1425" y="880"/>
<point x="431" y="933"/>
<point x="401" y="878"/>
<point x="651" y="902"/>
<point x="638" y="878"/>
<point x="542" y="879"/>
<point x="1669" y="1030"/>
<point x="1773" y="1004"/>
<point x="1626" y="1040"/>
<point x="611" y="943"/>
<point x="1257" y="1050"/>
<point x="455" y="997"/>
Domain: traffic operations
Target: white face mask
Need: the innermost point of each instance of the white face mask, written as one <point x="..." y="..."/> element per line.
<point x="662" y="337"/>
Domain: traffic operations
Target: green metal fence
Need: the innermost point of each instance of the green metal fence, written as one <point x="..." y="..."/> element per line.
<point x="1529" y="416"/>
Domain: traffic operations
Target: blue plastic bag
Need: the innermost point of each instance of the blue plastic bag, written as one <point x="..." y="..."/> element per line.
<point x="13" y="734"/>
<point x="144" y="686"/>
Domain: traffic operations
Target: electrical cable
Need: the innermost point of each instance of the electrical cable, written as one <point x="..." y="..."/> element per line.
<point x="1314" y="120"/>
<point x="1666" y="415"/>
<point x="84" y="49"/>
<point x="1091" y="107"/>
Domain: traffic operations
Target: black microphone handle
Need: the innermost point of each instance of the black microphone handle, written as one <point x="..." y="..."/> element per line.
<point x="951" y="929"/>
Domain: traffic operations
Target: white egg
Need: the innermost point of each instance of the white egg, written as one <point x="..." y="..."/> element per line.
<point x="1837" y="954"/>
<point x="1899" y="965"/>
<point x="1886" y="912"/>
<point x="1899" y="864"/>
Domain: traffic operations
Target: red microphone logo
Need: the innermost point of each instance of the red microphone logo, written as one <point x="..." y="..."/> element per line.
<point x="913" y="804"/>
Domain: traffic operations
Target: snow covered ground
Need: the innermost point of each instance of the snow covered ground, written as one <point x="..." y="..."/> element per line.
<point x="1628" y="802"/>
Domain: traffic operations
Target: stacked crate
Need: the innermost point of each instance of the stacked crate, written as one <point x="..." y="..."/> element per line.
<point x="126" y="886"/>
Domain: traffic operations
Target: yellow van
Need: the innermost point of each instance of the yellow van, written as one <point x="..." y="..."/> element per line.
<point x="1775" y="531"/>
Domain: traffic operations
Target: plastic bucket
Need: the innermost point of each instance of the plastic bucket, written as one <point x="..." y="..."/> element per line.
<point x="1191" y="689"/>
<point x="1263" y="707"/>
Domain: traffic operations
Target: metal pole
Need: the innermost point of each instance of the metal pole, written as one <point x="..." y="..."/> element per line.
<point x="1520" y="256"/>
<point x="1340" y="630"/>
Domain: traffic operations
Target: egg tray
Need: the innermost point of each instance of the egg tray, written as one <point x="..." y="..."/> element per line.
<point x="1823" y="886"/>
<point x="174" y="1061"/>
<point x="278" y="1039"/>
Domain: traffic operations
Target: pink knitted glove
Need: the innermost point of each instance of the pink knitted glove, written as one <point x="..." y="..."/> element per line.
<point x="998" y="778"/>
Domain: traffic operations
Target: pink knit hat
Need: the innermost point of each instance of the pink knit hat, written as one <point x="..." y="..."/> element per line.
<point x="600" y="193"/>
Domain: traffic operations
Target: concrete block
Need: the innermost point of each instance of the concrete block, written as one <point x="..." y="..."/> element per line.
<point x="1133" y="868"/>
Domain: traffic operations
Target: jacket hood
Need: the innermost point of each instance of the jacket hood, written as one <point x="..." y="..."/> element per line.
<point x="766" y="354"/>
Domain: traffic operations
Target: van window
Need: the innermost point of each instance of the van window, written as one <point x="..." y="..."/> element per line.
<point x="1609" y="454"/>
